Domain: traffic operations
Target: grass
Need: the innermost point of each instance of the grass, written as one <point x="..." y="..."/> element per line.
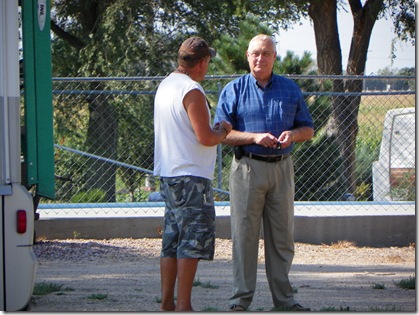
<point x="378" y="286"/>
<point x="392" y="308"/>
<point x="45" y="288"/>
<point x="373" y="108"/>
<point x="207" y="285"/>
<point x="210" y="309"/>
<point x="334" y="309"/>
<point x="408" y="284"/>
<point x="99" y="296"/>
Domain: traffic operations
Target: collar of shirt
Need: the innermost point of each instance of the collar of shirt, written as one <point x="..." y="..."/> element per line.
<point x="266" y="86"/>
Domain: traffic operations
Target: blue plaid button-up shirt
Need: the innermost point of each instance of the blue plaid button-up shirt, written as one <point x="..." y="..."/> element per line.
<point x="278" y="107"/>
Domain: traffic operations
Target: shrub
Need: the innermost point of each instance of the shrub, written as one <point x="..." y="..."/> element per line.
<point x="94" y="195"/>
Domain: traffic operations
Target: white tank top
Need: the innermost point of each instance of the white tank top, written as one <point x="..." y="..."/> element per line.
<point x="177" y="151"/>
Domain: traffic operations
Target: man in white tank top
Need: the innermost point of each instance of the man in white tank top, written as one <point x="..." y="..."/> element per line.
<point x="184" y="159"/>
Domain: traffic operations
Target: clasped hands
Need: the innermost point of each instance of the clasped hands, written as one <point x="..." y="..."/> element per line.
<point x="267" y="140"/>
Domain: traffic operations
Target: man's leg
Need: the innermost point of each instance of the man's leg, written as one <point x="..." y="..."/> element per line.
<point x="186" y="274"/>
<point x="168" y="273"/>
<point x="247" y="199"/>
<point x="278" y="224"/>
<point x="168" y="260"/>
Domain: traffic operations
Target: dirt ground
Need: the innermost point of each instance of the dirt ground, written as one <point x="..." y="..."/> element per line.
<point x="123" y="275"/>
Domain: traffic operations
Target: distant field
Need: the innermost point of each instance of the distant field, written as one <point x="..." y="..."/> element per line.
<point x="373" y="110"/>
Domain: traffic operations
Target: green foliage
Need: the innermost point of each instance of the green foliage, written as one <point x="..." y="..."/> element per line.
<point x="402" y="13"/>
<point x="209" y="285"/>
<point x="99" y="296"/>
<point x="231" y="49"/>
<point x="292" y="64"/>
<point x="210" y="309"/>
<point x="105" y="39"/>
<point x="206" y="285"/>
<point x="133" y="37"/>
<point x="334" y="309"/>
<point x="320" y="109"/>
<point x="136" y="196"/>
<point x="383" y="83"/>
<point x="378" y="286"/>
<point x="124" y="37"/>
<point x="94" y="195"/>
<point x="134" y="116"/>
<point x="391" y="308"/>
<point x="316" y="181"/>
<point x="409" y="284"/>
<point x="367" y="151"/>
<point x="363" y="191"/>
<point x="45" y="288"/>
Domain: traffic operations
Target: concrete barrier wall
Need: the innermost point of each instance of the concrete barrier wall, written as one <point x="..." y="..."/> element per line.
<point x="375" y="231"/>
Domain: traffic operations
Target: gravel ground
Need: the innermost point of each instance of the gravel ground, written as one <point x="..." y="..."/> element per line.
<point x="123" y="275"/>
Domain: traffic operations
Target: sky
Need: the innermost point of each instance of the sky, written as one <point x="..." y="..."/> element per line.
<point x="301" y="38"/>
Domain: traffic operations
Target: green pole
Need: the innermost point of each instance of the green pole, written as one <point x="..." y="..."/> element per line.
<point x="39" y="146"/>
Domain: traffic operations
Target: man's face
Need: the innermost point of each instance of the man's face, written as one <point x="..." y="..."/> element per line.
<point x="261" y="56"/>
<point x="205" y="64"/>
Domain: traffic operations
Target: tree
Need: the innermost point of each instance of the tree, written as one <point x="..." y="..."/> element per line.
<point x="343" y="123"/>
<point x="123" y="37"/>
<point x="323" y="13"/>
<point x="134" y="37"/>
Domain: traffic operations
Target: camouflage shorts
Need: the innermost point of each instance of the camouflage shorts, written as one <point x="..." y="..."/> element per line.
<point x="189" y="218"/>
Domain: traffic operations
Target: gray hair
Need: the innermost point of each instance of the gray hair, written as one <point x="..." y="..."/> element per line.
<point x="262" y="37"/>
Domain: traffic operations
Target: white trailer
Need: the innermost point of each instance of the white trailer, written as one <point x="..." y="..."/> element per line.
<point x="17" y="220"/>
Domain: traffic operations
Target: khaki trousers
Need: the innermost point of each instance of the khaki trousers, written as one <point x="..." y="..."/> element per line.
<point x="261" y="191"/>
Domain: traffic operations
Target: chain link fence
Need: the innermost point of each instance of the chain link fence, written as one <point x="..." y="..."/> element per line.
<point x="363" y="149"/>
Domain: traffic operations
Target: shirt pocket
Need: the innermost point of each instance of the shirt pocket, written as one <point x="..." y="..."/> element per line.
<point x="283" y="109"/>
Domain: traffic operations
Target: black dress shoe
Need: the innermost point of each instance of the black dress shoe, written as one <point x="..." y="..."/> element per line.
<point x="236" y="308"/>
<point x="298" y="308"/>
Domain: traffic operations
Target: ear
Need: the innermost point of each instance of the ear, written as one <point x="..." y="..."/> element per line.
<point x="202" y="62"/>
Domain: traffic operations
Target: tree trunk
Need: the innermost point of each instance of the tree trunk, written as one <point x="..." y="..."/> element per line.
<point x="343" y="123"/>
<point x="324" y="16"/>
<point x="102" y="140"/>
<point x="364" y="19"/>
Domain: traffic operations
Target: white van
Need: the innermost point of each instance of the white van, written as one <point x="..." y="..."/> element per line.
<point x="396" y="166"/>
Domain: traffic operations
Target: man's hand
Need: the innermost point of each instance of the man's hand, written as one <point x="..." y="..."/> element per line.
<point x="266" y="140"/>
<point x="286" y="139"/>
<point x="223" y="125"/>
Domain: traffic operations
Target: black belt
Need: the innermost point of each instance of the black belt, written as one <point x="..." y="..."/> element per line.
<point x="270" y="159"/>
